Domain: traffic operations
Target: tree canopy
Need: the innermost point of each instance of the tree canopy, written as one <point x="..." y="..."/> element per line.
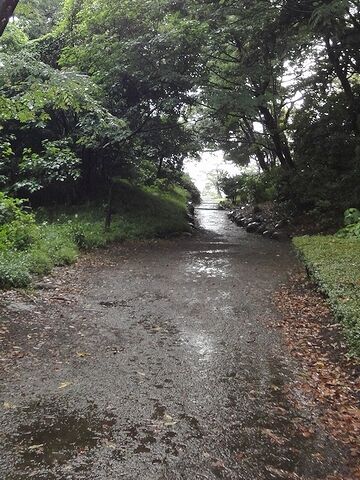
<point x="94" y="90"/>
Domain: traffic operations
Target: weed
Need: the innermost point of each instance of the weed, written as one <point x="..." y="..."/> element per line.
<point x="27" y="247"/>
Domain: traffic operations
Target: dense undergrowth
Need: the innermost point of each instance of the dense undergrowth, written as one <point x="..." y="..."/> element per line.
<point x="334" y="263"/>
<point x="32" y="244"/>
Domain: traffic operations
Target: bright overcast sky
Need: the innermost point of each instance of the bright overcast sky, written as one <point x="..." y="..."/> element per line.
<point x="199" y="170"/>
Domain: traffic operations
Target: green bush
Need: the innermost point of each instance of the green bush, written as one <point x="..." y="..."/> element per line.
<point x="352" y="224"/>
<point x="14" y="270"/>
<point x="249" y="187"/>
<point x="88" y="235"/>
<point x="189" y="185"/>
<point x="39" y="261"/>
<point x="18" y="229"/>
<point x="10" y="209"/>
<point x="334" y="263"/>
<point x="259" y="188"/>
<point x="351" y="216"/>
<point x="351" y="231"/>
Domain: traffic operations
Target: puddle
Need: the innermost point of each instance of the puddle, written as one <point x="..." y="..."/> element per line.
<point x="217" y="222"/>
<point x="55" y="435"/>
<point x="200" y="343"/>
<point x="208" y="267"/>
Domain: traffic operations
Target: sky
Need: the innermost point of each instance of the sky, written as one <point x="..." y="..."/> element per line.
<point x="209" y="161"/>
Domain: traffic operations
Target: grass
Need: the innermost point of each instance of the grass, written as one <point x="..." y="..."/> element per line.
<point x="334" y="263"/>
<point x="139" y="213"/>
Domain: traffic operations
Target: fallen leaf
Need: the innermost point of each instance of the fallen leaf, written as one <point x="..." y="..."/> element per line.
<point x="36" y="447"/>
<point x="169" y="421"/>
<point x="64" y="384"/>
<point x="273" y="436"/>
<point x="218" y="465"/>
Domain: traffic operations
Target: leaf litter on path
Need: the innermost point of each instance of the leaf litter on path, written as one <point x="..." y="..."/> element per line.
<point x="330" y="379"/>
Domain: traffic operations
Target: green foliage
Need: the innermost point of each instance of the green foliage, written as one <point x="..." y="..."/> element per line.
<point x="14" y="270"/>
<point x="334" y="263"/>
<point x="37" y="17"/>
<point x="28" y="248"/>
<point x="352" y="224"/>
<point x="91" y="91"/>
<point x="13" y="39"/>
<point x="38" y="261"/>
<point x="229" y="185"/>
<point x="248" y="187"/>
<point x="17" y="227"/>
<point x="32" y="90"/>
<point x="190" y="187"/>
<point x="57" y="163"/>
<point x="351" y="216"/>
<point x="87" y="234"/>
<point x="10" y="209"/>
<point x="351" y="231"/>
<point x="326" y="154"/>
<point x="58" y="242"/>
<point x="258" y="188"/>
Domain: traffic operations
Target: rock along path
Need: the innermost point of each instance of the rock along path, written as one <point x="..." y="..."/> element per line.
<point x="157" y="361"/>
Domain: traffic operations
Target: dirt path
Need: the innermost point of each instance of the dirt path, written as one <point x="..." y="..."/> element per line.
<point x="157" y="361"/>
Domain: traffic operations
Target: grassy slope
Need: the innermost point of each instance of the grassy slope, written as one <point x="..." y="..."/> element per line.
<point x="138" y="214"/>
<point x="334" y="263"/>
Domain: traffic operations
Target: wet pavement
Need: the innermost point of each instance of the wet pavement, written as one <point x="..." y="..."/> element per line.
<point x="158" y="362"/>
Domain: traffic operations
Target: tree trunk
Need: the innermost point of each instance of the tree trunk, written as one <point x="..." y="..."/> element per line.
<point x="249" y="133"/>
<point x="108" y="213"/>
<point x="159" y="167"/>
<point x="7" y="8"/>
<point x="353" y="102"/>
<point x="280" y="142"/>
<point x="260" y="156"/>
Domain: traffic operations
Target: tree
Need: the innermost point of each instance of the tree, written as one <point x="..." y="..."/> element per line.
<point x="38" y="17"/>
<point x="48" y="120"/>
<point x="129" y="89"/>
<point x="7" y="8"/>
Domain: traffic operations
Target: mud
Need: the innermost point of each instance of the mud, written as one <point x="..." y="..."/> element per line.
<point x="156" y="361"/>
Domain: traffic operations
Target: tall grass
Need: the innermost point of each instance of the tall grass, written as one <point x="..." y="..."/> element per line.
<point x="139" y="213"/>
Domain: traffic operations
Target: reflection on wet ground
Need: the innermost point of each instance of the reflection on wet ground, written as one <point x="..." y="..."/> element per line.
<point x="178" y="377"/>
<point x="48" y="437"/>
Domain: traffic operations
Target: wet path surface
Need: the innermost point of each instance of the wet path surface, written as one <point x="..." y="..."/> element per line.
<point x="159" y="363"/>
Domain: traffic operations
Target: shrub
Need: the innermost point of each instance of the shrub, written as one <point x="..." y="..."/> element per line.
<point x="351" y="216"/>
<point x="351" y="231"/>
<point x="10" y="209"/>
<point x="65" y="255"/>
<point x="14" y="270"/>
<point x="57" y="241"/>
<point x="18" y="229"/>
<point x="39" y="261"/>
<point x="190" y="187"/>
<point x="248" y="187"/>
<point x="352" y="224"/>
<point x="87" y="235"/>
